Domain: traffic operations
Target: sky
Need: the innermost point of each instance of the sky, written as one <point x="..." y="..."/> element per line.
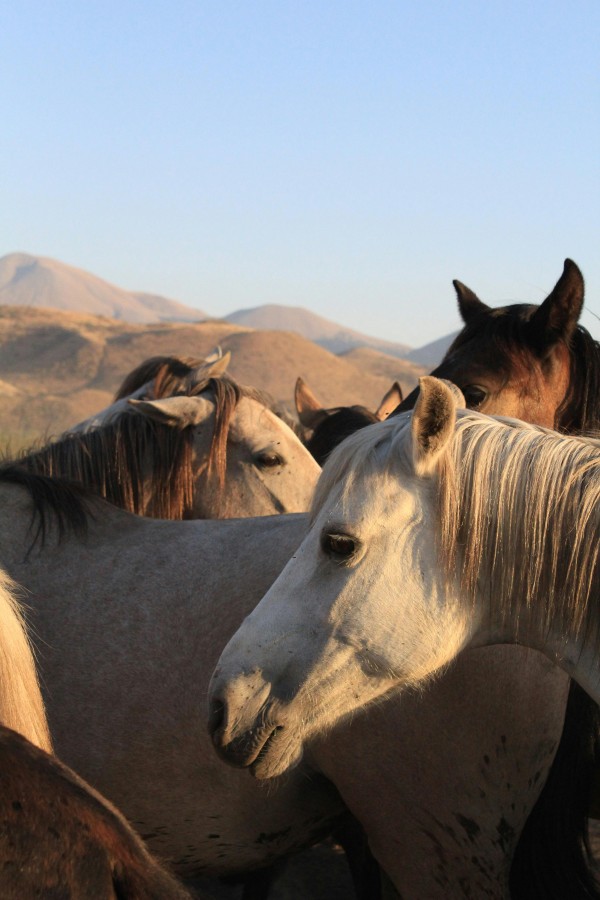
<point x="348" y="157"/>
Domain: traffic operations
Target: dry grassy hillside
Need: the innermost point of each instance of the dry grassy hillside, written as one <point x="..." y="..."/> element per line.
<point x="57" y="368"/>
<point x="386" y="366"/>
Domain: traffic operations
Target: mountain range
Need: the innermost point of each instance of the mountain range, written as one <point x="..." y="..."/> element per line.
<point x="27" y="280"/>
<point x="36" y="281"/>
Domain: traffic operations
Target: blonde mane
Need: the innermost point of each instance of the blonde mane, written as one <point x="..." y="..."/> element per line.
<point x="21" y="705"/>
<point x="518" y="511"/>
<point x="520" y="514"/>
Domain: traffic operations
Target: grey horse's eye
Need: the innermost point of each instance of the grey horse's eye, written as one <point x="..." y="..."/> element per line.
<point x="269" y="460"/>
<point x="339" y="546"/>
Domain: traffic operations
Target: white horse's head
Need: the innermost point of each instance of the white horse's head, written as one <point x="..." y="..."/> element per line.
<point x="363" y="607"/>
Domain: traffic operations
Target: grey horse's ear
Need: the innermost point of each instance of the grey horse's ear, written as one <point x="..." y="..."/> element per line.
<point x="180" y="411"/>
<point x="210" y="368"/>
<point x="214" y="355"/>
<point x="433" y="422"/>
<point x="469" y="304"/>
<point x="557" y="317"/>
<point x="310" y="411"/>
<point x="390" y="401"/>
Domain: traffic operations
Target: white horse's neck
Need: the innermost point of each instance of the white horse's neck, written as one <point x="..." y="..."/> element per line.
<point x="575" y="654"/>
<point x="21" y="704"/>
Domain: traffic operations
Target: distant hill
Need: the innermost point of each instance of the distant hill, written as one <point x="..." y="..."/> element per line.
<point x="27" y="280"/>
<point x="57" y="368"/>
<point x="430" y="355"/>
<point x="35" y="281"/>
<point x="376" y="363"/>
<point x="328" y="334"/>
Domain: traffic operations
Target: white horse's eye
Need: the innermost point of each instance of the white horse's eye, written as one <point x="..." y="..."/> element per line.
<point x="339" y="546"/>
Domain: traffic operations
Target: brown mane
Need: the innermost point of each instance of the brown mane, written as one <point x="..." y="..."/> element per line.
<point x="168" y="374"/>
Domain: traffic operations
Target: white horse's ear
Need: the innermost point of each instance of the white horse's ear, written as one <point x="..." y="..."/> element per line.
<point x="390" y="402"/>
<point x="180" y="412"/>
<point x="432" y="423"/>
<point x="459" y="397"/>
<point x="310" y="412"/>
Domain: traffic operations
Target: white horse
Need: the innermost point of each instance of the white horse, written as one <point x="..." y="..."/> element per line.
<point x="430" y="533"/>
<point x="21" y="704"/>
<point x="131" y="617"/>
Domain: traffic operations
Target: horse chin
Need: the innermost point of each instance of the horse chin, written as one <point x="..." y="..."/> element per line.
<point x="280" y="753"/>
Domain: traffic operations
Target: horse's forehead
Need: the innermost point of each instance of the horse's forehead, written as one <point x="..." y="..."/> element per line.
<point x="370" y="497"/>
<point x="496" y="323"/>
<point x="516" y="311"/>
<point x="253" y="419"/>
<point x="493" y="343"/>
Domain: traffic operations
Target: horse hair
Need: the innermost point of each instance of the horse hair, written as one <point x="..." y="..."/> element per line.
<point x="114" y="459"/>
<point x="168" y="374"/>
<point x="338" y="424"/>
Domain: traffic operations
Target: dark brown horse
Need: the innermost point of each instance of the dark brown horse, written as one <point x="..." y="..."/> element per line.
<point x="538" y="364"/>
<point x="60" y="839"/>
<point x="325" y="428"/>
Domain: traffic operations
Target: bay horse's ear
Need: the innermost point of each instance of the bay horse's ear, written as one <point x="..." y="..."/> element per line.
<point x="432" y="423"/>
<point x="181" y="412"/>
<point x="390" y="402"/>
<point x="469" y="304"/>
<point x="557" y="317"/>
<point x="310" y="412"/>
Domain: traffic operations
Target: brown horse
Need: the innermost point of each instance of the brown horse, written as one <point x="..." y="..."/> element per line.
<point x="538" y="364"/>
<point x="326" y="428"/>
<point x="59" y="838"/>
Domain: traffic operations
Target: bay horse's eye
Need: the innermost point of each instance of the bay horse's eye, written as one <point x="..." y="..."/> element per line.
<point x="474" y="395"/>
<point x="269" y="459"/>
<point x="339" y="546"/>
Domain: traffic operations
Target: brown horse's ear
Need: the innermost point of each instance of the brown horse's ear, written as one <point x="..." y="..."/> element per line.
<point x="557" y="317"/>
<point x="469" y="304"/>
<point x="389" y="402"/>
<point x="432" y="423"/>
<point x="310" y="412"/>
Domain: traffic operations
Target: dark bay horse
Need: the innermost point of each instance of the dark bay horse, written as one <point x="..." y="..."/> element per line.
<point x="59" y="838"/>
<point x="326" y="428"/>
<point x="538" y="364"/>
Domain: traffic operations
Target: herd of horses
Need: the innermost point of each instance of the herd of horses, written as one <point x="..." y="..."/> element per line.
<point x="148" y="549"/>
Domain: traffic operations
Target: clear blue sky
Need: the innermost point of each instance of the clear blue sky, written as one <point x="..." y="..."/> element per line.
<point x="348" y="157"/>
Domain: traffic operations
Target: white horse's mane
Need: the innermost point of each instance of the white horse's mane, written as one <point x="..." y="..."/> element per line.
<point x="518" y="507"/>
<point x="21" y="705"/>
